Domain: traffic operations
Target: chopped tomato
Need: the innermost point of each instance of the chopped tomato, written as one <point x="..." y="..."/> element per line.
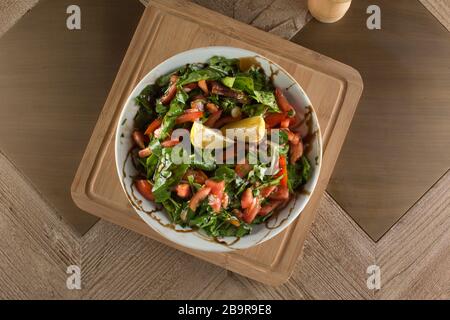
<point x="215" y="202"/>
<point x="217" y="187"/>
<point x="189" y="117"/>
<point x="145" y="189"/>
<point x="153" y="126"/>
<point x="144" y="153"/>
<point x="170" y="143"/>
<point x="281" y="193"/>
<point x="171" y="91"/>
<point x="274" y="119"/>
<point x="251" y="212"/>
<point x="242" y="169"/>
<point x="268" y="208"/>
<point x="265" y="192"/>
<point x="295" y="152"/>
<point x="183" y="190"/>
<point x="213" y="118"/>
<point x="212" y="107"/>
<point x="199" y="197"/>
<point x="285" y="123"/>
<point x="247" y="198"/>
<point x="217" y="192"/>
<point x="204" y="86"/>
<point x="284" y="171"/>
<point x="199" y="176"/>
<point x="296" y="120"/>
<point x="282" y="102"/>
<point x="293" y="137"/>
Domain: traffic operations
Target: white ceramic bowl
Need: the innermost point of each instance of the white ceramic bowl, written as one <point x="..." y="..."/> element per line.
<point x="158" y="220"/>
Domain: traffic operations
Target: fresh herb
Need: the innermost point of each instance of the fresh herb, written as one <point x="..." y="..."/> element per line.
<point x="166" y="175"/>
<point x="203" y="74"/>
<point x="176" y="109"/>
<point x="267" y="98"/>
<point x="226" y="67"/>
<point x="299" y="173"/>
<point x="253" y="110"/>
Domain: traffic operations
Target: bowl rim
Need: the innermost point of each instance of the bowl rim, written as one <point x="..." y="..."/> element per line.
<point x="275" y="231"/>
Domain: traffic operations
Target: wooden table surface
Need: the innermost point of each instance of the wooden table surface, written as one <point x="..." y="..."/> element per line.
<point x="64" y="70"/>
<point x="399" y="143"/>
<point x="37" y="247"/>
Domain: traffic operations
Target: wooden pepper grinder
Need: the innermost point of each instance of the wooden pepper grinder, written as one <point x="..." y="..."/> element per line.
<point x="328" y="11"/>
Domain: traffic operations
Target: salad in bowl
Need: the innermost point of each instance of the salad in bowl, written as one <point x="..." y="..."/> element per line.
<point x="218" y="149"/>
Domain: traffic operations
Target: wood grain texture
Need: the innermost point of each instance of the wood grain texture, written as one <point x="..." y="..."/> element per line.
<point x="440" y="9"/>
<point x="94" y="190"/>
<point x="50" y="246"/>
<point x="415" y="255"/>
<point x="11" y="11"/>
<point x="36" y="248"/>
<point x="154" y="271"/>
<point x="62" y="93"/>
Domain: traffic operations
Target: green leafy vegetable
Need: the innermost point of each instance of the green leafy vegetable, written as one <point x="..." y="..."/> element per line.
<point x="224" y="172"/>
<point x="166" y="176"/>
<point x="298" y="173"/>
<point x="176" y="109"/>
<point x="203" y="74"/>
<point x="160" y="108"/>
<point x="226" y="67"/>
<point x="267" y="98"/>
<point x="260" y="81"/>
<point x="253" y="110"/>
<point x="228" y="81"/>
<point x="244" y="83"/>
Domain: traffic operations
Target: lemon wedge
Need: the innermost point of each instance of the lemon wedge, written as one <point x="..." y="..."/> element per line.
<point x="204" y="137"/>
<point x="250" y="129"/>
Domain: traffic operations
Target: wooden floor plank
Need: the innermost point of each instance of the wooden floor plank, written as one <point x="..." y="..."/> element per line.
<point x="11" y="11"/>
<point x="120" y="264"/>
<point x="336" y="256"/>
<point x="440" y="9"/>
<point x="415" y="255"/>
<point x="36" y="248"/>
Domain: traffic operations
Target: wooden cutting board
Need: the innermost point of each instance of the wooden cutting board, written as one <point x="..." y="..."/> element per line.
<point x="170" y="27"/>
